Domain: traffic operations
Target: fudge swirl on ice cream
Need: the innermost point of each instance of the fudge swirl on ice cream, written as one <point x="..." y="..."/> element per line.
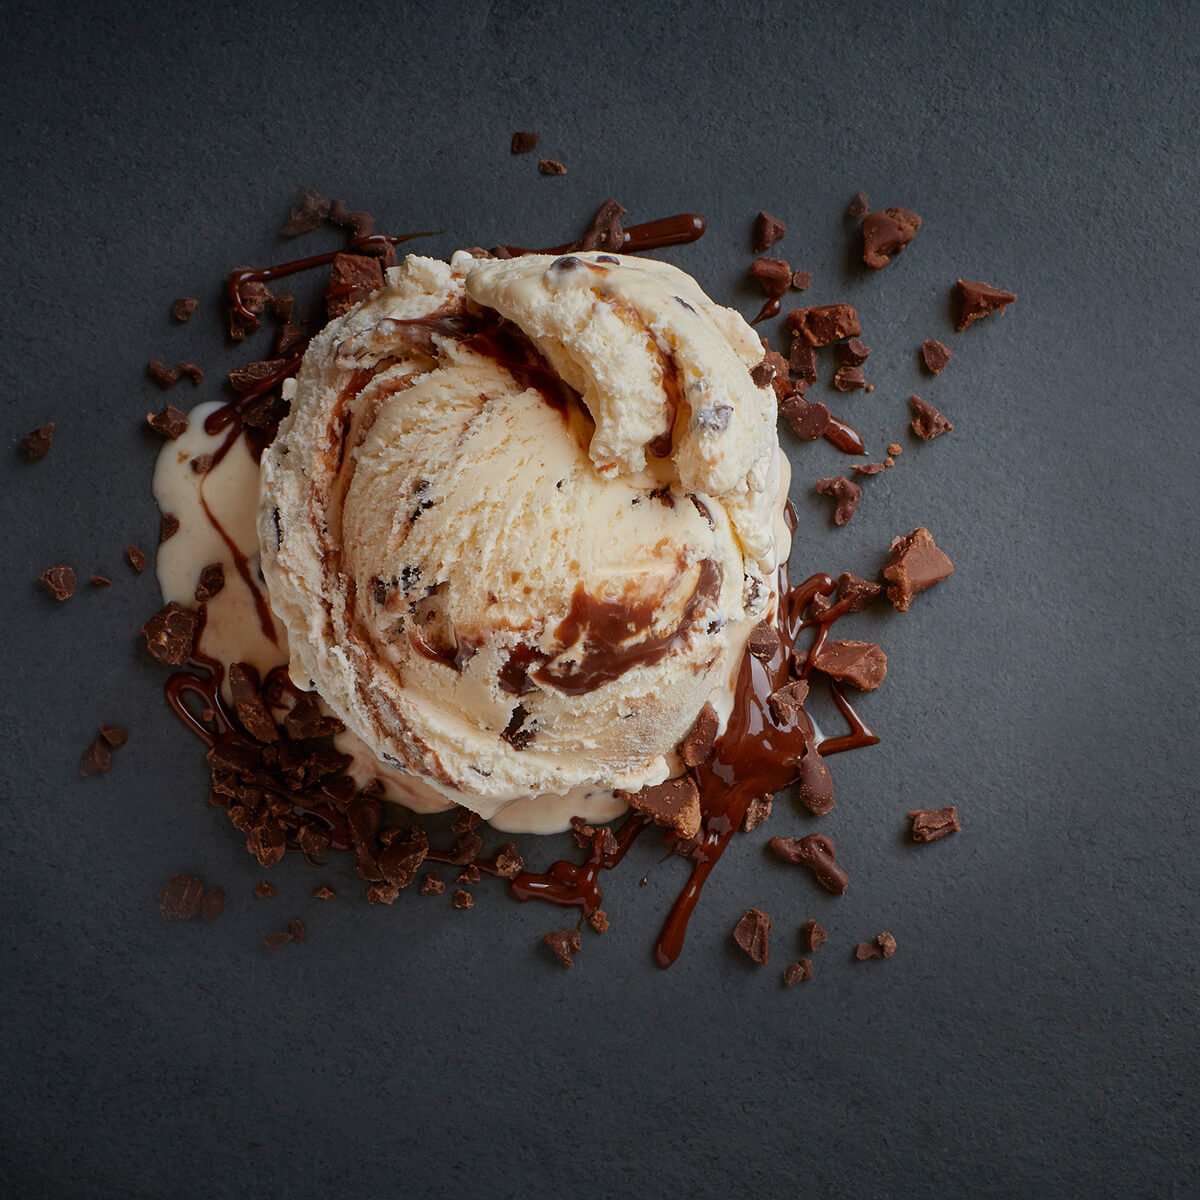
<point x="521" y="520"/>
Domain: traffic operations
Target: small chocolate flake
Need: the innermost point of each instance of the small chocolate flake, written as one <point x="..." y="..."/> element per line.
<point x="324" y="892"/>
<point x="870" y="469"/>
<point x="977" y="300"/>
<point x="213" y="904"/>
<point x="886" y="233"/>
<point x="598" y="920"/>
<point x="825" y="324"/>
<point x="757" y="811"/>
<point x="845" y="491"/>
<point x="210" y="583"/>
<point x="275" y="941"/>
<point x="935" y="355"/>
<point x="100" y="581"/>
<point x="763" y="641"/>
<point x="36" y="445"/>
<point x="180" y="898"/>
<point x="801" y="281"/>
<point x="798" y="972"/>
<point x="309" y="212"/>
<point x="858" y="207"/>
<point x="166" y="377"/>
<point x="787" y="703"/>
<point x="114" y="735"/>
<point x="813" y="936"/>
<point x="59" y="581"/>
<point x="605" y="231"/>
<point x="674" y="804"/>
<point x="265" y="889"/>
<point x="202" y="464"/>
<point x="849" y="379"/>
<point x="894" y="449"/>
<point x="818" y="854"/>
<point x="469" y="874"/>
<point x="298" y="930"/>
<point x="927" y="422"/>
<point x="97" y="758"/>
<point x="551" y="166"/>
<point x="565" y="944"/>
<point x="509" y="863"/>
<point x="463" y="899"/>
<point x="933" y="824"/>
<point x="698" y="744"/>
<point x="431" y="884"/>
<point x="137" y="560"/>
<point x="752" y="934"/>
<point x="767" y="231"/>
<point x="523" y="142"/>
<point x="170" y="423"/>
<point x="168" y="527"/>
<point x="914" y="563"/>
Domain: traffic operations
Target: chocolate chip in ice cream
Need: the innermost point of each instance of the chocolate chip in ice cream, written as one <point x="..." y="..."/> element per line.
<point x="309" y="212"/>
<point x="171" y="422"/>
<point x="845" y="491"/>
<point x="752" y="934"/>
<point x="818" y="854"/>
<point x="59" y="581"/>
<point x="977" y="300"/>
<point x="853" y="353"/>
<point x="564" y="945"/>
<point x="886" y="233"/>
<point x="170" y="634"/>
<point x="825" y="324"/>
<point x="551" y="166"/>
<point x="168" y="527"/>
<point x="935" y="355"/>
<point x="933" y="824"/>
<point x="884" y="946"/>
<point x="36" y="445"/>
<point x="915" y="562"/>
<point x="180" y="897"/>
<point x="927" y="421"/>
<point x="210" y="583"/>
<point x="861" y="664"/>
<point x="515" y="733"/>
<point x="523" y="142"/>
<point x="674" y="804"/>
<point x="767" y="231"/>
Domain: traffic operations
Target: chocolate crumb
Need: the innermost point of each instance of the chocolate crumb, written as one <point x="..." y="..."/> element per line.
<point x="565" y="944"/>
<point x="137" y="560"/>
<point x="310" y="211"/>
<point x="886" y="233"/>
<point x="757" y="811"/>
<point x="927" y="422"/>
<point x="171" y="422"/>
<point x="884" y="946"/>
<point x="914" y="563"/>
<point x="352" y="278"/>
<point x="59" y="581"/>
<point x="213" y="904"/>
<point x="853" y="353"/>
<point x="869" y="469"/>
<point x="324" y="892"/>
<point x="698" y="744"/>
<point x="114" y="735"/>
<point x="763" y="641"/>
<point x="463" y="899"/>
<point x="857" y="591"/>
<point x="813" y="936"/>
<point x="767" y="231"/>
<point x="275" y="941"/>
<point x="100" y="581"/>
<point x="168" y="527"/>
<point x="787" y="703"/>
<point x="36" y="445"/>
<point x="935" y="355"/>
<point x="180" y="898"/>
<point x="523" y="142"/>
<point x="674" y="804"/>
<point x="762" y="373"/>
<point x="798" y="972"/>
<point x="801" y="281"/>
<point x="431" y="884"/>
<point x="166" y="377"/>
<point x="469" y="874"/>
<point x="862" y="665"/>
<point x="298" y="930"/>
<point x="598" y="920"/>
<point x="551" y="166"/>
<point x="752" y="934"/>
<point x="97" y="758"/>
<point x="818" y="854"/>
<point x="894" y="449"/>
<point x="858" y="207"/>
<point x="977" y="300"/>
<point x="183" y="308"/>
<point x="845" y="491"/>
<point x="509" y="863"/>
<point x="210" y="583"/>
<point x="849" y="379"/>
<point x="265" y="889"/>
<point x="825" y="324"/>
<point x="933" y="824"/>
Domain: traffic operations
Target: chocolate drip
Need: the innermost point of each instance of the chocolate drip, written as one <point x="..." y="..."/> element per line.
<point x="678" y="230"/>
<point x="845" y="437"/>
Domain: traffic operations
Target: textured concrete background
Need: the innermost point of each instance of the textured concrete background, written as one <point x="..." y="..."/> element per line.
<point x="1035" y="1034"/>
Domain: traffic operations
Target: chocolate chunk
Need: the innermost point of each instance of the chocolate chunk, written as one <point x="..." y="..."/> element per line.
<point x="845" y="491"/>
<point x="565" y="944"/>
<point x="171" y="422"/>
<point x="463" y="899"/>
<point x="383" y="893"/>
<point x="849" y="379"/>
<point x="59" y="581"/>
<point x="598" y="920"/>
<point x="762" y="373"/>
<point x="884" y="946"/>
<point x="324" y="892"/>
<point x="551" y="166"/>
<point x="767" y="231"/>
<point x="870" y="468"/>
<point x="780" y="380"/>
<point x="802" y="360"/>
<point x="100" y="581"/>
<point x="137" y="560"/>
<point x="858" y="207"/>
<point x="815" y="783"/>
<point x="306" y="720"/>
<point x="674" y="804"/>
<point x="894" y="449"/>
<point x="183" y="308"/>
<point x="774" y="276"/>
<point x="469" y="874"/>
<point x="914" y="563"/>
<point x="757" y="811"/>
<point x="353" y="277"/>
<point x="808" y="421"/>
<point x="265" y="889"/>
<point x="114" y="735"/>
<point x="858" y="592"/>
<point x="509" y="863"/>
<point x="309" y="212"/>
<point x="698" y="744"/>
<point x="977" y="299"/>
<point x="312" y="841"/>
<point x="431" y="884"/>
<point x="886" y="233"/>
<point x="853" y="353"/>
<point x="361" y="224"/>
<point x="935" y="355"/>
<point x="248" y="703"/>
<point x="801" y="281"/>
<point x="514" y="733"/>
<point x="170" y="634"/>
<point x="763" y="641"/>
<point x="97" y="758"/>
<point x="798" y="972"/>
<point x="826" y="324"/>
<point x="860" y="664"/>
<point x="522" y="143"/>
<point x="180" y="898"/>
<point x="605" y="231"/>
<point x="887" y="944"/>
<point x="192" y="371"/>
<point x="210" y="583"/>
<point x="818" y="854"/>
<point x="927" y="422"/>
<point x="36" y="445"/>
<point x="213" y="904"/>
<point x="298" y="930"/>
<point x="787" y="703"/>
<point x="933" y="824"/>
<point x="166" y="377"/>
<point x="752" y="934"/>
<point x="276" y="941"/>
<point x="813" y="936"/>
<point x="168" y="527"/>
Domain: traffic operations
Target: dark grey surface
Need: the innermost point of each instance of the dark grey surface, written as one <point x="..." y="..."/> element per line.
<point x="1035" y="1034"/>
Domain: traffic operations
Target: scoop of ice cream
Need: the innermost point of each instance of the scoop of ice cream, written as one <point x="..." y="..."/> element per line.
<point x="522" y="517"/>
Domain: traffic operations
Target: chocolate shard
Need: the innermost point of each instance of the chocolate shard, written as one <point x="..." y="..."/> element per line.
<point x="849" y="379"/>
<point x="818" y="854"/>
<point x="757" y="811"/>
<point x="605" y="231"/>
<point x="935" y="355"/>
<point x="856" y="593"/>
<point x="97" y="758"/>
<point x="137" y="560"/>
<point x="853" y="353"/>
<point x="763" y="641"/>
<point x="767" y="231"/>
<point x="210" y="583"/>
<point x="927" y="422"/>
<point x="886" y="233"/>
<point x="914" y="563"/>
<point x="698" y="744"/>
<point x="36" y="445"/>
<point x="170" y="634"/>
<point x="523" y="142"/>
<point x="798" y="972"/>
<point x="309" y="212"/>
<point x="170" y="423"/>
<point x="814" y="787"/>
<point x="180" y="897"/>
<point x="564" y="944"/>
<point x="977" y="300"/>
<point x="802" y="360"/>
<point x="825" y="324"/>
<point x="752" y="934"/>
<point x="813" y="936"/>
<point x="861" y="664"/>
<point x="674" y="804"/>
<point x="598" y="920"/>
<point x="353" y="277"/>
<point x="787" y="703"/>
<point x="870" y="468"/>
<point x="845" y="491"/>
<point x="808" y="420"/>
<point x="509" y="863"/>
<point x="551" y="166"/>
<point x="59" y="581"/>
<point x="249" y="705"/>
<point x="774" y="275"/>
<point x="933" y="824"/>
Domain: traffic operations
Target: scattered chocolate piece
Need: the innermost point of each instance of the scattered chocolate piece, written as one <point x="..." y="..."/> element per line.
<point x="210" y="583"/>
<point x="825" y="324"/>
<point x="853" y="353"/>
<point x="180" y="898"/>
<point x="894" y="449"/>
<point x="933" y="824"/>
<point x="798" y="972"/>
<point x="202" y="464"/>
<point x="213" y="903"/>
<point x="787" y="703"/>
<point x="36" y="445"/>
<point x="813" y="936"/>
<point x="674" y="804"/>
<point x="801" y="281"/>
<point x="884" y="946"/>
<point x="815" y="786"/>
<point x="251" y="709"/>
<point x="886" y="233"/>
<point x="757" y="811"/>
<point x="137" y="560"/>
<point x="100" y="581"/>
<point x="774" y="276"/>
<point x="818" y="854"/>
<point x="551" y="166"/>
<point x="767" y="231"/>
<point x="802" y="360"/>
<point x="265" y="889"/>
<point x="306" y="720"/>
<point x="114" y="735"/>
<point x="860" y="664"/>
<point x="383" y="893"/>
<point x="698" y="744"/>
<point x="59" y="581"/>
<point x="171" y="422"/>
<point x="870" y="468"/>
<point x="361" y="224"/>
<point x="849" y="379"/>
<point x="858" y="592"/>
<point x="515" y="733"/>
<point x="242" y="379"/>
<point x="192" y="371"/>
<point x="914" y="563"/>
<point x="763" y="640"/>
<point x="298" y="930"/>
<point x="927" y="422"/>
<point x="858" y="207"/>
<point x="97" y="758"/>
<point x="168" y="527"/>
<point x="312" y="841"/>
<point x="977" y="300"/>
<point x="845" y="491"/>
<point x="887" y="944"/>
<point x="752" y="934"/>
<point x="605" y="231"/>
<point x="431" y="884"/>
<point x="565" y="944"/>
<point x="598" y="920"/>
<point x="522" y="143"/>
<point x="762" y="373"/>
<point x="935" y="355"/>
<point x="585" y="836"/>
<point x="352" y="278"/>
<point x="324" y="892"/>
<point x="465" y="820"/>
<point x="509" y="863"/>
<point x="463" y="899"/>
<point x="274" y="941"/>
<point x="183" y="308"/>
<point x="808" y="420"/>
<point x="310" y="211"/>
<point x="166" y="377"/>
<point x="469" y="874"/>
